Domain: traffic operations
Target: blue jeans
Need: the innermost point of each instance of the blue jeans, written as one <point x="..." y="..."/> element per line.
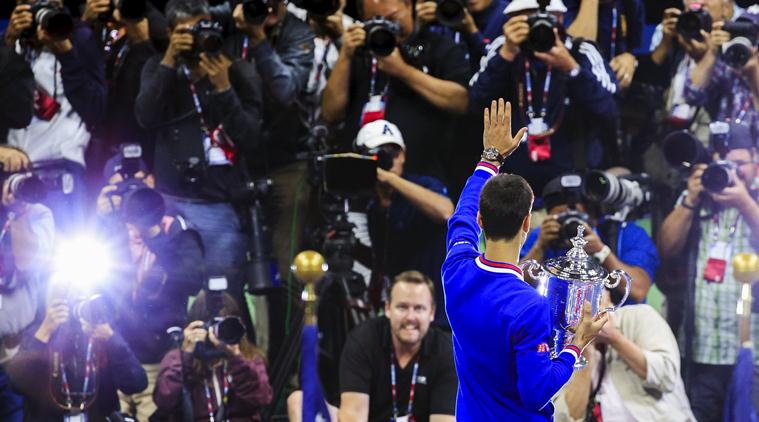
<point x="223" y="241"/>
<point x="11" y="404"/>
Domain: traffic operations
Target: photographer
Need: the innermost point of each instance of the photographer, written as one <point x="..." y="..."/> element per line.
<point x="406" y="219"/>
<point x="558" y="92"/>
<point x="616" y="26"/>
<point x="49" y="369"/>
<point x="633" y="372"/>
<point x="17" y="88"/>
<point x="633" y="250"/>
<point x="417" y="85"/>
<point x="130" y="35"/>
<point x="164" y="266"/>
<point x="205" y="109"/>
<point x="728" y="88"/>
<point x="705" y="230"/>
<point x="233" y="385"/>
<point x="26" y="241"/>
<point x="69" y="98"/>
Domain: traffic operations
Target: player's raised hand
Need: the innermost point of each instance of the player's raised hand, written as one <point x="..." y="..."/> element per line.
<point x="497" y="132"/>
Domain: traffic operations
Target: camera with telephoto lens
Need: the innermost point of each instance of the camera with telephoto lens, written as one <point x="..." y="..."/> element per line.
<point x="318" y="8"/>
<point x="26" y="187"/>
<point x="568" y="221"/>
<point x="51" y="17"/>
<point x="743" y="34"/>
<point x="381" y="35"/>
<point x="93" y="309"/>
<point x="130" y="10"/>
<point x="691" y="22"/>
<point x="207" y="36"/>
<point x="256" y="11"/>
<point x="227" y="329"/>
<point x="541" y="37"/>
<point x="450" y="12"/>
<point x="617" y="194"/>
<point x="683" y="150"/>
<point x="140" y="205"/>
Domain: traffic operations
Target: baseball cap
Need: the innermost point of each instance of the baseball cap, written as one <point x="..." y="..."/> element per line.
<point x="556" y="193"/>
<point x="116" y="163"/>
<point x="555" y="6"/>
<point x="378" y="133"/>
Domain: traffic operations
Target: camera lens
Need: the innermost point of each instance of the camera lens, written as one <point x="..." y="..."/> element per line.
<point x="55" y="21"/>
<point x="601" y="187"/>
<point x="210" y="41"/>
<point x="690" y="24"/>
<point x="230" y="330"/>
<point x="683" y="149"/>
<point x="92" y="310"/>
<point x="450" y="12"/>
<point x="737" y="52"/>
<point x="541" y="37"/>
<point x="717" y="177"/>
<point x="380" y="41"/>
<point x="27" y="187"/>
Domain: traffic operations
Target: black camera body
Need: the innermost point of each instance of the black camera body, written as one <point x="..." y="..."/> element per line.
<point x="256" y="11"/>
<point x="207" y="38"/>
<point x="450" y="13"/>
<point x="51" y="17"/>
<point x="691" y="22"/>
<point x="743" y="37"/>
<point x="541" y="37"/>
<point x="718" y="176"/>
<point x="130" y="10"/>
<point x="93" y="309"/>
<point x="569" y="221"/>
<point x="381" y="36"/>
<point x="140" y="205"/>
<point x="618" y="194"/>
<point x="227" y="329"/>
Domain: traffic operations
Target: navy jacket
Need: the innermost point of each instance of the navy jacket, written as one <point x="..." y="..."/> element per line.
<point x="501" y="327"/>
<point x="578" y="106"/>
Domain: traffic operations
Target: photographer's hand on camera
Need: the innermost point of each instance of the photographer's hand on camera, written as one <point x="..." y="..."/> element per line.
<point x="717" y="37"/>
<point x="94" y="8"/>
<point x="21" y="19"/>
<point x="102" y="332"/>
<point x="231" y="350"/>
<point x="695" y="187"/>
<point x="179" y="42"/>
<point x="217" y="70"/>
<point x="57" y="314"/>
<point x="13" y="159"/>
<point x="595" y="244"/>
<point x="394" y="65"/>
<point x="353" y="39"/>
<point x="425" y="12"/>
<point x="558" y="56"/>
<point x="736" y="196"/>
<point x="516" y="31"/>
<point x="193" y="333"/>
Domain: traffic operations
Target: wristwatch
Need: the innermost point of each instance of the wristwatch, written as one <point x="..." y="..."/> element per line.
<point x="492" y="154"/>
<point x="601" y="255"/>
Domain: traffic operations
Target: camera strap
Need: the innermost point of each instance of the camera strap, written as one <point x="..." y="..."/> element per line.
<point x="220" y="401"/>
<point x="218" y="147"/>
<point x="528" y="87"/>
<point x="373" y="81"/>
<point x="89" y="374"/>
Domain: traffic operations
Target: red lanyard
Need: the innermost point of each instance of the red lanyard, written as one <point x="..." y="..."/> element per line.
<point x="528" y="86"/>
<point x="373" y="81"/>
<point x="395" y="391"/>
<point x="245" y="43"/>
<point x="89" y="373"/>
<point x="196" y="102"/>
<point x="225" y="394"/>
<point x="614" y="23"/>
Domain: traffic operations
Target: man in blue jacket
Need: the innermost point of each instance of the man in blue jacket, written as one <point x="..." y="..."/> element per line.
<point x="562" y="95"/>
<point x="500" y="324"/>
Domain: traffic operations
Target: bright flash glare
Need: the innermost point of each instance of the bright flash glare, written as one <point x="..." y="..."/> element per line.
<point x="81" y="262"/>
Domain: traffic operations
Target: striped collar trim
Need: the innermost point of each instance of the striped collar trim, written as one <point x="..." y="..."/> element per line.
<point x="498" y="267"/>
<point x="488" y="167"/>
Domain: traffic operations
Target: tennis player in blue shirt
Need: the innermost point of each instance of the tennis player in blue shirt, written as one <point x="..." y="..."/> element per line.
<point x="500" y="324"/>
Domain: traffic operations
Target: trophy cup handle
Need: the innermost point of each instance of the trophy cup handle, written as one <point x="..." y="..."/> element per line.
<point x="617" y="276"/>
<point x="533" y="269"/>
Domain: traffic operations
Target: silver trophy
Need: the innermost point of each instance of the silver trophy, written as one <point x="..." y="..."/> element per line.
<point x="568" y="282"/>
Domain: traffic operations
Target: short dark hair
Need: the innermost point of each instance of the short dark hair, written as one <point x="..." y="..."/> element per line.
<point x="177" y="10"/>
<point x="412" y="277"/>
<point x="505" y="201"/>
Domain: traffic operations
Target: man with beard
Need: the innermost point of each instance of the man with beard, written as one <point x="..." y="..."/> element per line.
<point x="398" y="367"/>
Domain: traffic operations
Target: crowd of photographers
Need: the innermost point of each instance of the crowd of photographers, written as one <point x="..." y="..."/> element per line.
<point x="204" y="145"/>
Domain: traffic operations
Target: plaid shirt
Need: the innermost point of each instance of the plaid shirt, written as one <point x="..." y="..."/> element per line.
<point x="717" y="336"/>
<point x="727" y="97"/>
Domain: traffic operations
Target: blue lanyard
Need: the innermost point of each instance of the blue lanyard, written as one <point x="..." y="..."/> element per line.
<point x="546" y="90"/>
<point x="394" y="389"/>
<point x="614" y="23"/>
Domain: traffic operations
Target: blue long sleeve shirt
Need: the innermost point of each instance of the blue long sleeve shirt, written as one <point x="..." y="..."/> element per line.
<point x="501" y="327"/>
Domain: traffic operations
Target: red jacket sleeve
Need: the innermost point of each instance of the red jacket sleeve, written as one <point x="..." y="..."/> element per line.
<point x="250" y="383"/>
<point x="167" y="394"/>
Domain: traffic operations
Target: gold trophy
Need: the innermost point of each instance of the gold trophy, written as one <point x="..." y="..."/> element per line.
<point x="746" y="271"/>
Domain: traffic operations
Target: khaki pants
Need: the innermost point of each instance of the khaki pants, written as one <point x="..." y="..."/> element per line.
<point x="141" y="405"/>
